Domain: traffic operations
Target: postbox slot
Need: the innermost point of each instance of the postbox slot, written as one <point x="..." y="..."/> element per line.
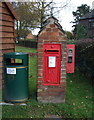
<point x="52" y="51"/>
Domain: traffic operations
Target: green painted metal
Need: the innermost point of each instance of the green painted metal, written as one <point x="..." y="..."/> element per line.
<point x="15" y="77"/>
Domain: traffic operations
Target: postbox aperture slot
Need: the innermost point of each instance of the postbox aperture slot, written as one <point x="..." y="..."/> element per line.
<point x="52" y="51"/>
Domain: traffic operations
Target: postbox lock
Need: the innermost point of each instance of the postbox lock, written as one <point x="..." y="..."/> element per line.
<point x="52" y="46"/>
<point x="48" y="81"/>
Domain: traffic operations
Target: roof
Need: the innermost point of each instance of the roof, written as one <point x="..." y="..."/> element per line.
<point x="89" y="15"/>
<point x="11" y="10"/>
<point x="51" y="20"/>
<point x="30" y="36"/>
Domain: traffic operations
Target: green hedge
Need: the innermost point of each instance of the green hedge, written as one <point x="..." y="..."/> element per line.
<point x="85" y="56"/>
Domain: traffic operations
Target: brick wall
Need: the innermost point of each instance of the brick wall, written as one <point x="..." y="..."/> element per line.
<point x="51" y="33"/>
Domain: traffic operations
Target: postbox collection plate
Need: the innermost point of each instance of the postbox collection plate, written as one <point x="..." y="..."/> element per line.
<point x="52" y="61"/>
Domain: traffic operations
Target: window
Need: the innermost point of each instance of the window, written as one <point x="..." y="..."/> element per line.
<point x="91" y="24"/>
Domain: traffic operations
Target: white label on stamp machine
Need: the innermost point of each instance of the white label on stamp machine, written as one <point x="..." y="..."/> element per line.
<point x="11" y="70"/>
<point x="52" y="61"/>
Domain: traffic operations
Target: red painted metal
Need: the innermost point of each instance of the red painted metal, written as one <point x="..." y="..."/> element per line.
<point x="70" y="58"/>
<point x="52" y="64"/>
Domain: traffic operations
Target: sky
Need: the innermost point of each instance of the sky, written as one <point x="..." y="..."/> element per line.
<point x="65" y="15"/>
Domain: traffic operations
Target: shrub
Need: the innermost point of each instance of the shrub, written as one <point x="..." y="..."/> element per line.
<point x="85" y="56"/>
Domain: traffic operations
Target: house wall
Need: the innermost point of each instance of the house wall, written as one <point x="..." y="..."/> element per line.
<point x="7" y="43"/>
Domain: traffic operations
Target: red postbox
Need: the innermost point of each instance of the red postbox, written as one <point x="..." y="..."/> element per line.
<point x="70" y="58"/>
<point x="52" y="64"/>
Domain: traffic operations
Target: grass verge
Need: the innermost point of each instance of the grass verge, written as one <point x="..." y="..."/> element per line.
<point x="79" y="97"/>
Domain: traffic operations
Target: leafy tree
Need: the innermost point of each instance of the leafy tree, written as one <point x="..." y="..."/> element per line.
<point x="81" y="32"/>
<point x="43" y="8"/>
<point x="81" y="11"/>
<point x="69" y="35"/>
<point x="31" y="15"/>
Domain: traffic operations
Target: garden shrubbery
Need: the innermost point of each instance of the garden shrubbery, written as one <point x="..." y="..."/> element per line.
<point x="85" y="56"/>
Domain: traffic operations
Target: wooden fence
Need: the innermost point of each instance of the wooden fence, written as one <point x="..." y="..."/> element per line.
<point x="27" y="43"/>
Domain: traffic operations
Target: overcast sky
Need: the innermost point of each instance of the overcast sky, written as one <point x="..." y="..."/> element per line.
<point x="65" y="15"/>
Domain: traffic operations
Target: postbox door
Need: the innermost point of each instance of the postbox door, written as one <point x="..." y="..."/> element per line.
<point x="52" y="66"/>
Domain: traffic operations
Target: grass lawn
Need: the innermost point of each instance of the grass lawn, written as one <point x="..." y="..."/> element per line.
<point x="79" y="97"/>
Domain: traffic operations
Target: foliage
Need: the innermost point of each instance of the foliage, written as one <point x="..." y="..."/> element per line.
<point x="21" y="33"/>
<point x="81" y="32"/>
<point x="85" y="57"/>
<point x="28" y="14"/>
<point x="69" y="35"/>
<point x="78" y="103"/>
<point x="81" y="11"/>
<point x="28" y="18"/>
<point x="31" y="15"/>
